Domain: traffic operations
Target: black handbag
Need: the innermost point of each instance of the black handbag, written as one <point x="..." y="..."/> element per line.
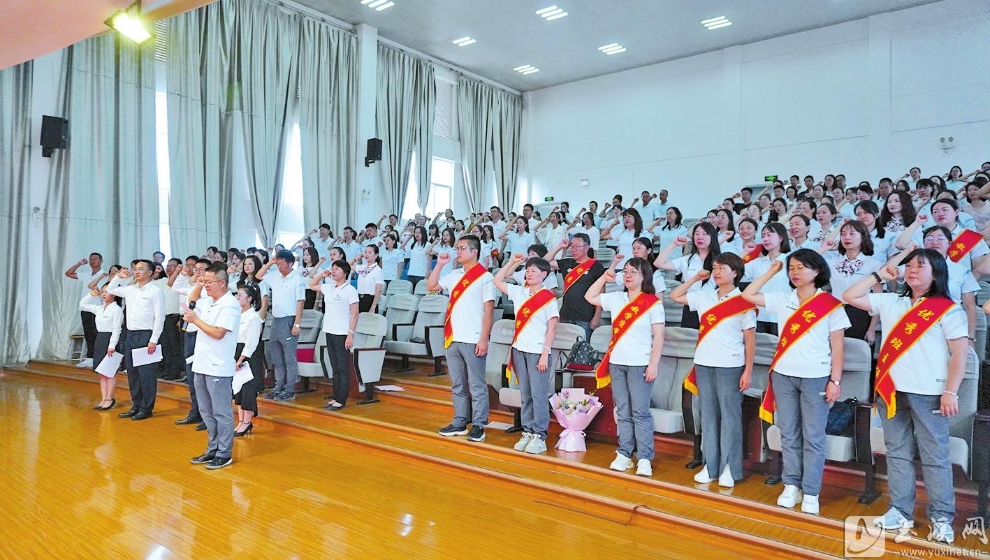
<point x="582" y="356"/>
<point x="840" y="418"/>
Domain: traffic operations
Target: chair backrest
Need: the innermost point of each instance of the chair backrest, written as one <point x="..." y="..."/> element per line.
<point x="401" y="310"/>
<point x="672" y="311"/>
<point x="766" y="345"/>
<point x="396" y="287"/>
<point x="370" y="330"/>
<point x="961" y="425"/>
<point x="605" y="255"/>
<point x="420" y="289"/>
<point x="310" y="326"/>
<point x="432" y="310"/>
<point x="676" y="361"/>
<point x="856" y="370"/>
<point x="498" y="350"/>
<point x="600" y="338"/>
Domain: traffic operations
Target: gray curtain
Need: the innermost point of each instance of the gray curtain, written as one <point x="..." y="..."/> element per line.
<point x="264" y="61"/>
<point x="103" y="191"/>
<point x="327" y="124"/>
<point x="199" y="131"/>
<point x="407" y="100"/>
<point x="506" y="134"/>
<point x="474" y="126"/>
<point x="15" y="183"/>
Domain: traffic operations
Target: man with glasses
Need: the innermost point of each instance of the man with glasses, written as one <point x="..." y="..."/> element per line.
<point x="184" y="287"/>
<point x="145" y="322"/>
<point x="217" y="318"/>
<point x="466" y="329"/>
<point x="580" y="272"/>
<point x="288" y="294"/>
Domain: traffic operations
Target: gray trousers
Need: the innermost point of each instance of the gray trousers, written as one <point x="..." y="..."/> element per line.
<point x="468" y="385"/>
<point x="631" y="394"/>
<point x="914" y="420"/>
<point x="721" y="419"/>
<point x="801" y="416"/>
<point x="282" y="347"/>
<point x="189" y="343"/>
<point x="535" y="388"/>
<point x="215" y="394"/>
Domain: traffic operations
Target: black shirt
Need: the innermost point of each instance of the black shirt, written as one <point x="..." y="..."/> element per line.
<point x="574" y="306"/>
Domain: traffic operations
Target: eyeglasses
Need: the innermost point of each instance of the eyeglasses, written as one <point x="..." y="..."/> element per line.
<point x="142" y="269"/>
<point x="212" y="281"/>
<point x="936" y="239"/>
<point x="579" y="246"/>
<point x="464" y="248"/>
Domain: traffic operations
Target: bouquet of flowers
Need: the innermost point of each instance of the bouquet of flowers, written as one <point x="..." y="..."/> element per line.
<point x="574" y="411"/>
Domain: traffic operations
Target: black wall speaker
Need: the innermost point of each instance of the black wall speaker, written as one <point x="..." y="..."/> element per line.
<point x="54" y="134"/>
<point x="374" y="151"/>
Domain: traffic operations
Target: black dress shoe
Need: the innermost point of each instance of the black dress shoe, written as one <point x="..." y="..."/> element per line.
<point x="202" y="459"/>
<point x="201" y="426"/>
<point x="188" y="420"/>
<point x="128" y="414"/>
<point x="246" y="431"/>
<point x="141" y="415"/>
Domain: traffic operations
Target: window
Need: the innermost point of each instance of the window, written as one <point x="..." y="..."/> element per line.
<point x="441" y="189"/>
<point x="164" y="177"/>
<point x="443" y="119"/>
<point x="291" y="224"/>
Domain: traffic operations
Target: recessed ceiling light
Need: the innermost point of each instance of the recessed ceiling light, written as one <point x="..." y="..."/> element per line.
<point x="378" y="5"/>
<point x="716" y="23"/>
<point x="611" y="49"/>
<point x="551" y="13"/>
<point x="526" y="69"/>
<point x="386" y="5"/>
<point x="464" y="41"/>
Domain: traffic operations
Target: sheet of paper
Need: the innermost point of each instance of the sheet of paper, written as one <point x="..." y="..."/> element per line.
<point x="141" y="357"/>
<point x="389" y="388"/>
<point x="241" y="376"/>
<point x="189" y="360"/>
<point x="109" y="365"/>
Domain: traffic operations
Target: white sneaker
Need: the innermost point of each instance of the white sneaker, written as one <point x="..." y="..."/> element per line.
<point x="810" y="504"/>
<point x="621" y="463"/>
<point x="893" y="520"/>
<point x="644" y="468"/>
<point x="942" y="531"/>
<point x="726" y="480"/>
<point x="536" y="445"/>
<point x="702" y="476"/>
<point x="523" y="441"/>
<point x="85" y="362"/>
<point x="789" y="497"/>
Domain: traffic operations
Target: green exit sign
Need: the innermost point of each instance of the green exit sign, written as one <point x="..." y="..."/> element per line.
<point x="770" y="178"/>
<point x="548" y="199"/>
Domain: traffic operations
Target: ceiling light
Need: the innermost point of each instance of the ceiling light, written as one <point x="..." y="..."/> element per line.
<point x="128" y="22"/>
<point x="383" y="6"/>
<point x="464" y="41"/>
<point x="526" y="69"/>
<point x="551" y="13"/>
<point x="378" y="5"/>
<point x="716" y="23"/>
<point x="611" y="49"/>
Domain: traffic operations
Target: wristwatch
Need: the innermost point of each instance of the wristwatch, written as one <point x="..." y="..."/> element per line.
<point x="296" y="326"/>
<point x="834" y="382"/>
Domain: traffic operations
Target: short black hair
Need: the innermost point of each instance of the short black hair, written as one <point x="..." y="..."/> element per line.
<point x="539" y="263"/>
<point x="286" y="256"/>
<point x="734" y="262"/>
<point x="746" y="189"/>
<point x="813" y="260"/>
<point x="343" y="265"/>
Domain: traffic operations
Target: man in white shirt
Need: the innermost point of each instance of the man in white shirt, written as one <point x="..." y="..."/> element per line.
<point x="213" y="364"/>
<point x="348" y="245"/>
<point x="145" y="322"/>
<point x="646" y="210"/>
<point x="173" y="366"/>
<point x="370" y="236"/>
<point x="95" y="262"/>
<point x="528" y="214"/>
<point x="498" y="224"/>
<point x="183" y="286"/>
<point x="322" y="240"/>
<point x="287" y="299"/>
<point x="661" y="206"/>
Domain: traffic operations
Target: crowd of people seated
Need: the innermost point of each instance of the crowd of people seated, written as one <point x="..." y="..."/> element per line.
<point x="812" y="262"/>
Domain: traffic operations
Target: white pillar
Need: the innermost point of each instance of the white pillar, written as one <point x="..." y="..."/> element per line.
<point x="369" y="199"/>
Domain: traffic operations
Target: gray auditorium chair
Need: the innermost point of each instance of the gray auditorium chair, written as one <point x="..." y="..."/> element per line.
<point x="395" y="287"/>
<point x="424" y="337"/>
<point x="310" y="337"/>
<point x="498" y="352"/>
<point x="368" y="354"/>
<point x="401" y="310"/>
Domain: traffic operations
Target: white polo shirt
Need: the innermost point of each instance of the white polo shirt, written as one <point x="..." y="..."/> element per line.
<point x="418" y="259"/>
<point x="322" y="247"/>
<point x="519" y="244"/>
<point x="351" y="250"/>
<point x="552" y="236"/>
<point x="214" y="356"/>
<point x="625" y="238"/>
<point x="467" y="316"/>
<point x="779" y="283"/>
<point x="85" y="275"/>
<point x="811" y="355"/>
<point x="368" y="277"/>
<point x="845" y="272"/>
<point x="689" y="265"/>
<point x="724" y="345"/>
<point x="923" y="369"/>
<point x="145" y="307"/>
<point x="171" y="296"/>
<point x="285" y="292"/>
<point x="549" y="283"/>
<point x="337" y="302"/>
<point x="635" y="347"/>
<point x="391" y="261"/>
<point x="534" y="334"/>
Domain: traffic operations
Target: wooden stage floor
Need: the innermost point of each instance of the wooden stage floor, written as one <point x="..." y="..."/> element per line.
<point x="367" y="481"/>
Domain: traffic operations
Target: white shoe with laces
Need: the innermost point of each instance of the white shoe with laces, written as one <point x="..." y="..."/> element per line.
<point x="810" y="504"/>
<point x="702" y="476"/>
<point x="644" y="468"/>
<point x="893" y="520"/>
<point x="523" y="441"/>
<point x="621" y="463"/>
<point x="790" y="496"/>
<point x="726" y="480"/>
<point x="942" y="531"/>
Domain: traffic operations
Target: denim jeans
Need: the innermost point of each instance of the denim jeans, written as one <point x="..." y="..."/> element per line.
<point x="631" y="394"/>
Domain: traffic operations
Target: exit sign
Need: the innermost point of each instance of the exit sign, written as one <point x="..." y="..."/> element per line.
<point x="548" y="199"/>
<point x="770" y="178"/>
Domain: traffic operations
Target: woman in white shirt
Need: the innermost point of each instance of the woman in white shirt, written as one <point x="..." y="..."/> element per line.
<point x="340" y="300"/>
<point x="776" y="246"/>
<point x="850" y="260"/>
<point x="248" y="340"/>
<point x="489" y="252"/>
<point x="926" y="378"/>
<point x="671" y="229"/>
<point x="585" y="223"/>
<point x="825" y="216"/>
<point x="392" y="259"/>
<point x="704" y="249"/>
<point x="552" y="230"/>
<point x="370" y="280"/>
<point x="728" y="241"/>
<point x="642" y="248"/>
<point x="897" y="213"/>
<point x="516" y="241"/>
<point x="415" y="248"/>
<point x="109" y="318"/>
<point x="806" y="375"/>
<point x="633" y="362"/>
<point x="445" y="245"/>
<point x="632" y="228"/>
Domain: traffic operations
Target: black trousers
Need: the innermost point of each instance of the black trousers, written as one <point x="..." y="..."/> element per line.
<point x="860" y="322"/>
<point x="173" y="363"/>
<point x="142" y="381"/>
<point x="247" y="397"/>
<point x="689" y="319"/>
<point x="310" y="302"/>
<point x="89" y="331"/>
<point x="340" y="361"/>
<point x="364" y="302"/>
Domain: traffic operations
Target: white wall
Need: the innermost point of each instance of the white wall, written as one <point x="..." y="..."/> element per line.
<point x="868" y="98"/>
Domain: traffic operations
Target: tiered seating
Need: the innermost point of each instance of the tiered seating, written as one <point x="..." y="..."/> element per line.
<point x="395" y="287"/>
<point x="310" y="348"/>
<point x="422" y="338"/>
<point x="368" y="356"/>
<point x="401" y="310"/>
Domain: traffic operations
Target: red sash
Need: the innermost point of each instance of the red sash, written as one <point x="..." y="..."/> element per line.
<point x="477" y="271"/>
<point x="800" y="322"/>
<point x="524" y="313"/>
<point x="621" y="322"/>
<point x="963" y="244"/>
<point x="721" y="311"/>
<point x="577" y="272"/>
<point x="908" y="330"/>
<point x="754" y="254"/>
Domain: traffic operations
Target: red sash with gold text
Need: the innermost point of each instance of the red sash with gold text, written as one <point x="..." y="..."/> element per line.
<point x="754" y="254"/>
<point x="723" y="310"/>
<point x="577" y="272"/>
<point x="621" y="324"/>
<point x="800" y="322"/>
<point x="963" y="244"/>
<point x="477" y="271"/>
<point x="524" y="313"/>
<point x="908" y="330"/>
